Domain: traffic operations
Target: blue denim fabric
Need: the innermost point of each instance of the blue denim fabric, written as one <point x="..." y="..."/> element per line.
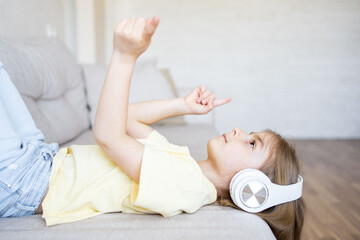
<point x="25" y="160"/>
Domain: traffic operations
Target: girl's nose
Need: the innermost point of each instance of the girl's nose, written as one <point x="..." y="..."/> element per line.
<point x="238" y="132"/>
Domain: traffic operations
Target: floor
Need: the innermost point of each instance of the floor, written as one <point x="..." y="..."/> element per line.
<point x="331" y="172"/>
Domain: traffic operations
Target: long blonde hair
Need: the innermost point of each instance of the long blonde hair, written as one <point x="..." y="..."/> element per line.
<point x="282" y="167"/>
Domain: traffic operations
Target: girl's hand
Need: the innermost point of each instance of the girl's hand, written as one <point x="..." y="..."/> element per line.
<point x="133" y="36"/>
<point x="201" y="101"/>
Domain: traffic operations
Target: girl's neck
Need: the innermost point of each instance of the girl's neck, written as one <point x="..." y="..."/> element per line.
<point x="212" y="173"/>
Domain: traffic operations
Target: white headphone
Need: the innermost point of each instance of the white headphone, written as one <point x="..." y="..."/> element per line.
<point x="252" y="191"/>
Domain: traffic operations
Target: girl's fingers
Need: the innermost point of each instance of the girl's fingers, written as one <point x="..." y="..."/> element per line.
<point x="150" y="26"/>
<point x="132" y="24"/>
<point x="139" y="25"/>
<point x="127" y="25"/>
<point x="204" y="96"/>
<point x="202" y="89"/>
<point x="148" y="21"/>
<point x="221" y="102"/>
<point x="198" y="90"/>
<point x="211" y="101"/>
<point x="207" y="99"/>
<point x="121" y="24"/>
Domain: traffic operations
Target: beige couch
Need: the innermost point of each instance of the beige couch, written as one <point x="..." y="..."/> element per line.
<point x="62" y="98"/>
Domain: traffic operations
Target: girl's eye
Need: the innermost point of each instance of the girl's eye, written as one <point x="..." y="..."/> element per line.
<point x="252" y="144"/>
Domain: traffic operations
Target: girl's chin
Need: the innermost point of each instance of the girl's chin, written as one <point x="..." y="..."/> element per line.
<point x="215" y="143"/>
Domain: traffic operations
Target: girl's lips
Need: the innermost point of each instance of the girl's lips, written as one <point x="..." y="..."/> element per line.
<point x="224" y="137"/>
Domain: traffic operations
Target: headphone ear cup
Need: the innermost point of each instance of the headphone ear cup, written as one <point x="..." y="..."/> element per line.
<point x="249" y="189"/>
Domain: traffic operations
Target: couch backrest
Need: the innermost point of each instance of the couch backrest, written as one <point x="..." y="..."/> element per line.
<point x="50" y="82"/>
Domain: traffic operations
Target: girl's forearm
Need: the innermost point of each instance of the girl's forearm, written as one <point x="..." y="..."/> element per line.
<point x="112" y="111"/>
<point x="149" y="112"/>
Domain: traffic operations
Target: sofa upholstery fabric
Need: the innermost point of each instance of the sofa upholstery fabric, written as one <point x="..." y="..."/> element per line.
<point x="50" y="82"/>
<point x="209" y="223"/>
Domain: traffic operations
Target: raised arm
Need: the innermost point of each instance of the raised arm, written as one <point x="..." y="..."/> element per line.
<point x="142" y="114"/>
<point x="131" y="38"/>
<point x="116" y="126"/>
<point x="149" y="112"/>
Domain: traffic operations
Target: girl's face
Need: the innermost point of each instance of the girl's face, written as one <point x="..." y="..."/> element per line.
<point x="236" y="150"/>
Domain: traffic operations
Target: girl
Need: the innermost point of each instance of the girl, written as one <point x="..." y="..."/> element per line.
<point x="135" y="169"/>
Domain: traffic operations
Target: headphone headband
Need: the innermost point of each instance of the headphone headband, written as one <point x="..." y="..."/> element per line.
<point x="252" y="191"/>
<point x="287" y="193"/>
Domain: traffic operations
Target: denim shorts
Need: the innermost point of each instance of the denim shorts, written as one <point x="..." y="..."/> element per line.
<point x="25" y="160"/>
<point x="24" y="182"/>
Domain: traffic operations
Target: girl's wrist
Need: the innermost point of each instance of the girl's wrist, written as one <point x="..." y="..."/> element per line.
<point x="185" y="108"/>
<point x="123" y="58"/>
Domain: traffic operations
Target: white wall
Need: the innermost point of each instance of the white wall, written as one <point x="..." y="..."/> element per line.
<point x="22" y="19"/>
<point x="85" y="24"/>
<point x="292" y="66"/>
<point x="70" y="22"/>
<point x="85" y="34"/>
<point x="26" y="19"/>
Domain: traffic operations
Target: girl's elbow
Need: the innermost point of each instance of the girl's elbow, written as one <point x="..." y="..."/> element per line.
<point x="106" y="139"/>
<point x="104" y="142"/>
<point x="101" y="138"/>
